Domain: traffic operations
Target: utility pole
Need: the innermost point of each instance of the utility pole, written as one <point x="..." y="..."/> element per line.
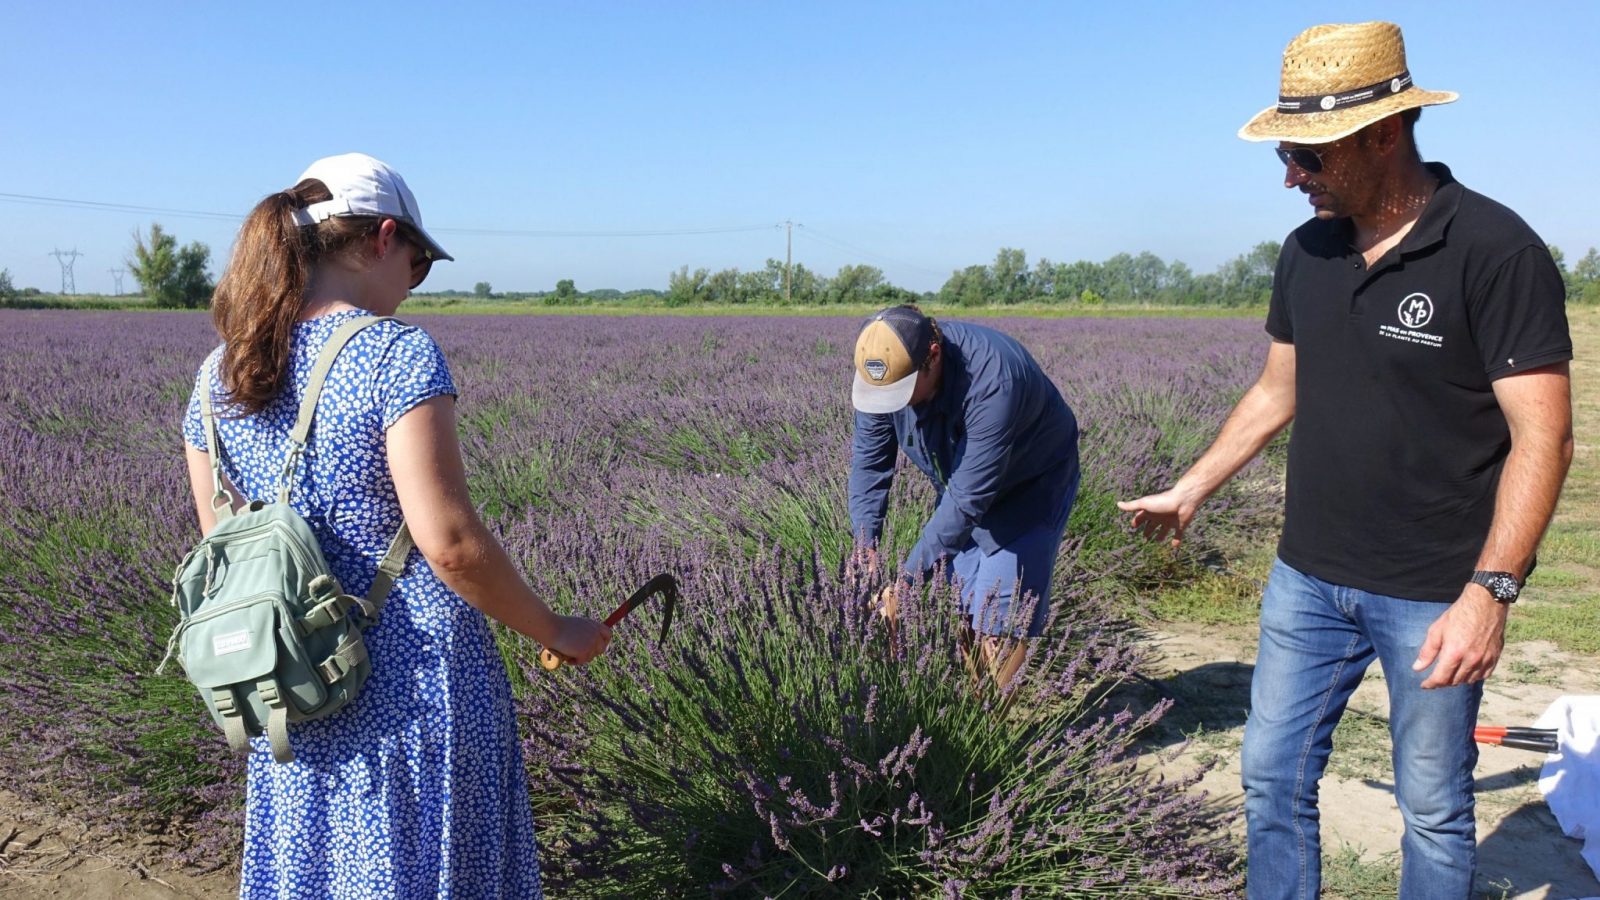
<point x="788" y="256"/>
<point x="117" y="275"/>
<point x="66" y="258"/>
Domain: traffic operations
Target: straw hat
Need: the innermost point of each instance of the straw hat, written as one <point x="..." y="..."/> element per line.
<point x="1338" y="79"/>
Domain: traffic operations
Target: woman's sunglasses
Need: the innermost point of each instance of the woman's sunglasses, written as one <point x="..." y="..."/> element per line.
<point x="421" y="260"/>
<point x="1304" y="157"/>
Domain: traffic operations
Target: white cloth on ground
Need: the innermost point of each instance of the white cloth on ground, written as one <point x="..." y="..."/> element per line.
<point x="1570" y="779"/>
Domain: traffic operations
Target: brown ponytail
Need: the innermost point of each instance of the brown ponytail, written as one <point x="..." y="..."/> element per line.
<point x="259" y="297"/>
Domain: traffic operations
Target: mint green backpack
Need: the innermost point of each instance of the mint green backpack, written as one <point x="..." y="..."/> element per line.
<point x="265" y="630"/>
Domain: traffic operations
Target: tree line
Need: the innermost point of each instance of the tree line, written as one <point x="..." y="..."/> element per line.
<point x="174" y="276"/>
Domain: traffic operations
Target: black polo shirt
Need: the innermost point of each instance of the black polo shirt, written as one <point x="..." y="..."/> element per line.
<point x="1398" y="440"/>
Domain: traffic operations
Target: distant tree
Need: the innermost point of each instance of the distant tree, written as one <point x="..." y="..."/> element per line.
<point x="806" y="286"/>
<point x="1585" y="279"/>
<point x="760" y="285"/>
<point x="1071" y="280"/>
<point x="854" y="284"/>
<point x="972" y="286"/>
<point x="1008" y="278"/>
<point x="168" y="275"/>
<point x="723" y="287"/>
<point x="684" y="288"/>
<point x="1247" y="279"/>
<point x="8" y="291"/>
<point x="1177" y="286"/>
<point x="1043" y="281"/>
<point x="483" y="289"/>
<point x="566" y="291"/>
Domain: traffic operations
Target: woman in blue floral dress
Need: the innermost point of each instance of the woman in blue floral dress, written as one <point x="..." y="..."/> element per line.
<point x="416" y="789"/>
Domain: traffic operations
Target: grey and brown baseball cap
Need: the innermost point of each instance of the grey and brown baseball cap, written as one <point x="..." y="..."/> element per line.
<point x="891" y="348"/>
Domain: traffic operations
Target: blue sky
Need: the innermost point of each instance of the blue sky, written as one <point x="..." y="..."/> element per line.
<point x="918" y="137"/>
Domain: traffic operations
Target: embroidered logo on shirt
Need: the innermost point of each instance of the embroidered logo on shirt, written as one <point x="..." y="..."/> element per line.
<point x="1416" y="310"/>
<point x="876" y="369"/>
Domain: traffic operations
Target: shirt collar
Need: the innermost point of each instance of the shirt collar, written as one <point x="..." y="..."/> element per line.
<point x="1439" y="212"/>
<point x="952" y="383"/>
<point x="1431" y="225"/>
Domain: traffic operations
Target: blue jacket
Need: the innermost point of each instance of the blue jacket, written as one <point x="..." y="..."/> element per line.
<point x="998" y="441"/>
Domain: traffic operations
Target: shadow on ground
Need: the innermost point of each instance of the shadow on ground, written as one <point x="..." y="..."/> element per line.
<point x="1207" y="699"/>
<point x="1527" y="853"/>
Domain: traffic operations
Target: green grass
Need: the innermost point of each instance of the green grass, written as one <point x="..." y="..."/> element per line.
<point x="1571" y="623"/>
<point x="1360" y="745"/>
<point x="1212" y="598"/>
<point x="1347" y="876"/>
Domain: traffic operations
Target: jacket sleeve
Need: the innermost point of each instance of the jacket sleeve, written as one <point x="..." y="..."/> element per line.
<point x="991" y="423"/>
<point x="872" y="456"/>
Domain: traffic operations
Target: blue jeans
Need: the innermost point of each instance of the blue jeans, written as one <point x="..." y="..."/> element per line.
<point x="1023" y="568"/>
<point x="1317" y="639"/>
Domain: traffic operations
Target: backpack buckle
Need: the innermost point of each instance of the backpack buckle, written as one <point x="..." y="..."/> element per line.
<point x="325" y="614"/>
<point x="333" y="669"/>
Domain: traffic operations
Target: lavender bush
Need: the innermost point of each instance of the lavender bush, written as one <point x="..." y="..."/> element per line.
<point x="782" y="743"/>
<point x="603" y="450"/>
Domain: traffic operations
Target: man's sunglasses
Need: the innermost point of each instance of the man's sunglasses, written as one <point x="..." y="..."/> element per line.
<point x="1304" y="157"/>
<point x="421" y="260"/>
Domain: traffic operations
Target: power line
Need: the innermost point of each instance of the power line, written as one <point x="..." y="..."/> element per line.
<point x="109" y="207"/>
<point x="657" y="232"/>
<point x="117" y="275"/>
<point x="838" y="244"/>
<point x="35" y="200"/>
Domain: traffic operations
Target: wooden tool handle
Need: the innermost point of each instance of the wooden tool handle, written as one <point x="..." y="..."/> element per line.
<point x="550" y="660"/>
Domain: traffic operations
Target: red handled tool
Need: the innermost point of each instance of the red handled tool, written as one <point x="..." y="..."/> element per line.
<point x="1540" y="739"/>
<point x="663" y="584"/>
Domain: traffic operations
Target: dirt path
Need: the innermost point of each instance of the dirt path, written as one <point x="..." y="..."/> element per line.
<point x="1522" y="853"/>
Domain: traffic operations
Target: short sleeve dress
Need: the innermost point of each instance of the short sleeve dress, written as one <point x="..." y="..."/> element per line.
<point x="417" y="789"/>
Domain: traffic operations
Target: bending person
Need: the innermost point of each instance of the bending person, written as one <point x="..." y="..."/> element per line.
<point x="973" y="410"/>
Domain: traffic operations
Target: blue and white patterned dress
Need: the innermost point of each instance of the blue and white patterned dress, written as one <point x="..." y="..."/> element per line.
<point x="417" y="789"/>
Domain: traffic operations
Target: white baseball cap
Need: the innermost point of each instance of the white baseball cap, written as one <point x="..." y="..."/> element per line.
<point x="363" y="186"/>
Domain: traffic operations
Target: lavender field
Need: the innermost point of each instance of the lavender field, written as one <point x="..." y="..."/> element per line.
<point x="777" y="741"/>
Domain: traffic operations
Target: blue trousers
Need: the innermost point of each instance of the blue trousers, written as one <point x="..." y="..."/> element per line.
<point x="990" y="582"/>
<point x="1317" y="639"/>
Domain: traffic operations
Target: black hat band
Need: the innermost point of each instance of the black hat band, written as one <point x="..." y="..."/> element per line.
<point x="1295" y="106"/>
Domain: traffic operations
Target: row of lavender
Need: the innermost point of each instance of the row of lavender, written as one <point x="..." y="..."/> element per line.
<point x="777" y="740"/>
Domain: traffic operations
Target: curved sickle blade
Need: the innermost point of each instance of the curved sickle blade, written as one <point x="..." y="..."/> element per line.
<point x="663" y="584"/>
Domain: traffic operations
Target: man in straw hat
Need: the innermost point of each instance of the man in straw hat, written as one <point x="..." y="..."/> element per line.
<point x="973" y="411"/>
<point x="1420" y="344"/>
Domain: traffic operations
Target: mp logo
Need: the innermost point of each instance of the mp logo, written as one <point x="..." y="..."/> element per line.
<point x="1416" y="310"/>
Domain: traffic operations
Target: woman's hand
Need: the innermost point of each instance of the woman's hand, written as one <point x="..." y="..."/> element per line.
<point x="579" y="640"/>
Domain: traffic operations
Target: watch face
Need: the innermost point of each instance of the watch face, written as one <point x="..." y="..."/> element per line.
<point x="1504" y="587"/>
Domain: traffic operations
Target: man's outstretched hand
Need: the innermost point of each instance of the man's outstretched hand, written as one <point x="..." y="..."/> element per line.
<point x="1162" y="515"/>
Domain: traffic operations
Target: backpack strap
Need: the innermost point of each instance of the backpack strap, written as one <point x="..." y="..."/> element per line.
<point x="394" y="561"/>
<point x="232" y="718"/>
<point x="277" y="719"/>
<point x="221" y="501"/>
<point x="308" y="403"/>
<point x="389" y="569"/>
